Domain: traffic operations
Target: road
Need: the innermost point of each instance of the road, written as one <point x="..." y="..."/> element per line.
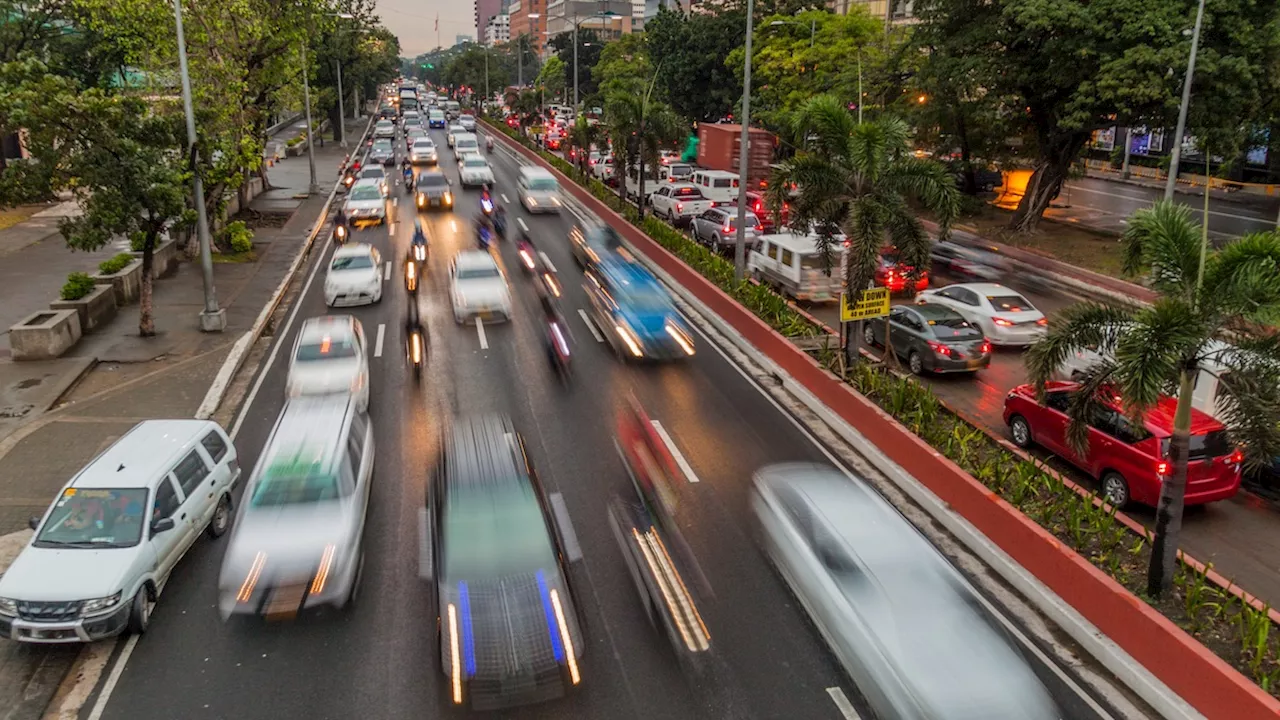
<point x="375" y="660"/>
<point x="1121" y="199"/>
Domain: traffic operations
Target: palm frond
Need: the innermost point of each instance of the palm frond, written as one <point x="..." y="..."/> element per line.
<point x="1085" y="403"/>
<point x="1079" y="327"/>
<point x="1153" y="349"/>
<point x="1248" y="398"/>
<point x="1243" y="278"/>
<point x="929" y="182"/>
<point x="1165" y="241"/>
<point x="908" y="236"/>
<point x="864" y="226"/>
<point x="823" y="126"/>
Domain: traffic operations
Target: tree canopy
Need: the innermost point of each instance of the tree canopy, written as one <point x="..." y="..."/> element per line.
<point x="689" y="51"/>
<point x="589" y="48"/>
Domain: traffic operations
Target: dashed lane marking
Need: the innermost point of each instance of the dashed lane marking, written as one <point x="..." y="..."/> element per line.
<point x="377" y="344"/>
<point x="386" y="275"/>
<point x="842" y="702"/>
<point x="484" y="341"/>
<point x="675" y="452"/>
<point x="590" y="325"/>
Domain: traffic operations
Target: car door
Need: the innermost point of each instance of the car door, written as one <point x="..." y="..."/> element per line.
<point x="216" y="450"/>
<point x="192" y="473"/>
<point x="902" y="326"/>
<point x="1049" y="426"/>
<point x="167" y="545"/>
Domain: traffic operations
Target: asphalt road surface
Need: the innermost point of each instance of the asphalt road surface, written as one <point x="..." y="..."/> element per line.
<point x="1227" y="218"/>
<point x="377" y="659"/>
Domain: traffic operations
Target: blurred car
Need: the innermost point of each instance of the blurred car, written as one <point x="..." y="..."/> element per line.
<point x="433" y="191"/>
<point x="768" y="223"/>
<point x="478" y="288"/>
<point x="717" y="227"/>
<point x="365" y="203"/>
<point x="298" y="538"/>
<point x="508" y="626"/>
<point x="593" y="243"/>
<point x="454" y="130"/>
<point x="381" y="153"/>
<point x="412" y="136"/>
<point x="602" y="168"/>
<point x="907" y="628"/>
<point x="968" y="262"/>
<point x="104" y="550"/>
<point x="1005" y="316"/>
<point x="376" y="172"/>
<point x="891" y="273"/>
<point x="424" y="152"/>
<point x="330" y="356"/>
<point x="384" y="129"/>
<point x="354" y="276"/>
<point x="932" y="338"/>
<point x="435" y="118"/>
<point x="635" y="313"/>
<point x="474" y="170"/>
<point x="468" y="122"/>
<point x="1129" y="462"/>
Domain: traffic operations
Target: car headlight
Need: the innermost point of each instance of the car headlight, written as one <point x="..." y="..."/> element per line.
<point x="8" y="606"/>
<point x="448" y="198"/>
<point x="629" y="338"/>
<point x="97" y="605"/>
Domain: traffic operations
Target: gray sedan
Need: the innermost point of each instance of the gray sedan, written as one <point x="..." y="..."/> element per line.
<point x="932" y="338"/>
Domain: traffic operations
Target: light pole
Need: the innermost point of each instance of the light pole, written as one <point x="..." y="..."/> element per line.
<point x="314" y="187"/>
<point x="1172" y="181"/>
<point x="213" y="318"/>
<point x="342" y="123"/>
<point x="744" y="153"/>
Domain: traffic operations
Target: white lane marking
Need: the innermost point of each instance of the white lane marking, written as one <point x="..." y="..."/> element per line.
<point x="484" y="341"/>
<point x="590" y="325"/>
<point x="546" y="261"/>
<point x="377" y="344"/>
<point x="110" y="685"/>
<point x="522" y="225"/>
<point x="506" y="199"/>
<point x="675" y="452"/>
<point x="842" y="702"/>
<point x="395" y="202"/>
<point x="386" y="275"/>
<point x="391" y="229"/>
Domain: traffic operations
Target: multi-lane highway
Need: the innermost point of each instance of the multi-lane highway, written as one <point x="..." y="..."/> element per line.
<point x="377" y="659"/>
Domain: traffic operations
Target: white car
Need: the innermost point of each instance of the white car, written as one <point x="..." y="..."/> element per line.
<point x="454" y="130"/>
<point x="330" y="357"/>
<point x="384" y="129"/>
<point x="478" y="288"/>
<point x="602" y="168"/>
<point x="365" y="203"/>
<point x="424" y="152"/>
<point x="468" y="122"/>
<point x="474" y="170"/>
<point x="354" y="277"/>
<point x="1005" y="316"/>
<point x="103" y="552"/>
<point x="378" y="173"/>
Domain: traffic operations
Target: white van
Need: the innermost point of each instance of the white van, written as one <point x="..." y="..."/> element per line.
<point x="539" y="190"/>
<point x="464" y="143"/>
<point x="719" y="186"/>
<point x="793" y="265"/>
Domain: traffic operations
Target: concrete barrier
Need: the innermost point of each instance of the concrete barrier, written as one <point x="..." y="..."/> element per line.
<point x="164" y="257"/>
<point x="1204" y="680"/>
<point x="95" y="309"/>
<point x="126" y="284"/>
<point x="44" y="335"/>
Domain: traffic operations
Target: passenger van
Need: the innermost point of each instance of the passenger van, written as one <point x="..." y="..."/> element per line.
<point x="465" y="143"/>
<point x="719" y="186"/>
<point x="793" y="264"/>
<point x="539" y="190"/>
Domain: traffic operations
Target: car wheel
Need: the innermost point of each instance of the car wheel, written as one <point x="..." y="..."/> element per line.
<point x="916" y="363"/>
<point x="1115" y="489"/>
<point x="221" y="519"/>
<point x="869" y="335"/>
<point x="1021" y="431"/>
<point x="140" y="612"/>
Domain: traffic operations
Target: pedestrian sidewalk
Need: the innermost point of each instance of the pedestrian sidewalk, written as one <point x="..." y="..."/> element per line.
<point x="55" y="416"/>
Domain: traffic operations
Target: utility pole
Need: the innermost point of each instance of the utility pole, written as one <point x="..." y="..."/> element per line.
<point x="1176" y="154"/>
<point x="314" y="187"/>
<point x="342" y="113"/>
<point x="575" y="65"/>
<point x="1128" y="146"/>
<point x="744" y="153"/>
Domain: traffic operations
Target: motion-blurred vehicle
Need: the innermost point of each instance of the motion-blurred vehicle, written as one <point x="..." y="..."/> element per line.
<point x="678" y="203"/>
<point x="635" y="313"/>
<point x="423" y="152"/>
<point x="354" y="276"/>
<point x="910" y="632"/>
<point x="433" y="191"/>
<point x="454" y="130"/>
<point x="465" y="142"/>
<point x="413" y="135"/>
<point x="792" y="264"/>
<point x="539" y="190"/>
<point x="468" y="122"/>
<point x="340" y="233"/>
<point x="717" y="228"/>
<point x="298" y="541"/>
<point x="384" y="129"/>
<point x="602" y="168"/>
<point x="1004" y="316"/>
<point x="968" y="262"/>
<point x="378" y="173"/>
<point x="365" y="203"/>
<point x="474" y="171"/>
<point x="593" y="244"/>
<point x="330" y="357"/>
<point x="496" y="549"/>
<point x="1130" y="462"/>
<point x="891" y="273"/>
<point x="932" y="338"/>
<point x="478" y="288"/>
<point x="104" y="550"/>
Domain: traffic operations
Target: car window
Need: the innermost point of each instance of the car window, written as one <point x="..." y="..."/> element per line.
<point x="214" y="445"/>
<point x="1058" y="400"/>
<point x="771" y="251"/>
<point x="912" y="321"/>
<point x="967" y="297"/>
<point x="423" y="144"/>
<point x="1010" y="303"/>
<point x="787" y="257"/>
<point x="1103" y="419"/>
<point x="1210" y="445"/>
<point x="97" y="518"/>
<point x="372" y="173"/>
<point x="365" y="192"/>
<point x="475" y="162"/>
<point x="953" y="327"/>
<point x="478" y="272"/>
<point x="190" y="472"/>
<point x="492" y="532"/>
<point x="293" y="480"/>
<point x="327" y="348"/>
<point x="432" y="180"/>
<point x="352" y="262"/>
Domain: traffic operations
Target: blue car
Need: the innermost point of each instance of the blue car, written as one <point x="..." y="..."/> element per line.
<point x="635" y="313"/>
<point x="435" y="119"/>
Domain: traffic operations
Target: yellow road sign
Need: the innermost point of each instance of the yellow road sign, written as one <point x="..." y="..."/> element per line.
<point x="872" y="303"/>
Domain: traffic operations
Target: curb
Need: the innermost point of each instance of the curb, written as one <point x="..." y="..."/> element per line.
<point x="240" y="351"/>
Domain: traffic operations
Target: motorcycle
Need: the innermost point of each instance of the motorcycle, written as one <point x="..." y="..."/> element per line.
<point x="416" y="350"/>
<point x="558" y="345"/>
<point x="408" y="179"/>
<point x="483" y="238"/>
<point x="340" y="233"/>
<point x="411" y="277"/>
<point x="488" y="145"/>
<point x="528" y="256"/>
<point x="548" y="281"/>
<point x="486" y="204"/>
<point x="418" y="253"/>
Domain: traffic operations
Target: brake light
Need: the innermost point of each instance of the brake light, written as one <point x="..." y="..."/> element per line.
<point x="986" y="347"/>
<point x="1002" y="322"/>
<point x="940" y="349"/>
<point x="679" y="207"/>
<point x="1236" y="457"/>
<point x="1042" y="322"/>
<point x="1162" y="468"/>
<point x="758" y="207"/>
<point x="728" y="227"/>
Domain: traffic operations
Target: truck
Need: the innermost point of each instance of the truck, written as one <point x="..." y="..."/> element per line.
<point x="718" y="150"/>
<point x="408" y="98"/>
<point x="677" y="203"/>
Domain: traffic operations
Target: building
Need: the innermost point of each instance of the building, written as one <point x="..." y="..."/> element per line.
<point x="462" y="40"/>
<point x="610" y="19"/>
<point x="896" y="11"/>
<point x="485" y="11"/>
<point x="529" y="17"/>
<point x="498" y="30"/>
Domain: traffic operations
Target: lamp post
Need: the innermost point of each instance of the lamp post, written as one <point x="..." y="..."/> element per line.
<point x="314" y="187"/>
<point x="1172" y="181"/>
<point x="212" y="318"/>
<point x="342" y="123"/>
<point x="744" y="153"/>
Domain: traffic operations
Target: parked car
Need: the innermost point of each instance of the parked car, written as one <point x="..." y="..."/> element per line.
<point x="1130" y="462"/>
<point x="717" y="228"/>
<point x="354" y="276"/>
<point x="679" y="203"/>
<point x="602" y="169"/>
<point x="931" y="338"/>
<point x="1005" y="316"/>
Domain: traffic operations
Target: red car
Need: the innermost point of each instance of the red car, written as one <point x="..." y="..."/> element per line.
<point x="768" y="223"/>
<point x="892" y="273"/>
<point x="1130" y="463"/>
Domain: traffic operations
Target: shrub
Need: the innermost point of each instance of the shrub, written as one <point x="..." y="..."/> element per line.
<point x="239" y="237"/>
<point x="78" y="286"/>
<point x="294" y="142"/>
<point x="115" y="264"/>
<point x="137" y="241"/>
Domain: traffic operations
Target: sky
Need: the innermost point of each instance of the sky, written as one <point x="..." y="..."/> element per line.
<point x="413" y="21"/>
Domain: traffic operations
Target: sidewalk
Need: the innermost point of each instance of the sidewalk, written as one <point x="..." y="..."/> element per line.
<point x="117" y="379"/>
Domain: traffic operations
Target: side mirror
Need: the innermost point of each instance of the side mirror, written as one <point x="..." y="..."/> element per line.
<point x="34" y="522"/>
<point x="161" y="525"/>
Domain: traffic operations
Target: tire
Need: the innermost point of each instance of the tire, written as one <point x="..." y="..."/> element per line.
<point x="1020" y="430"/>
<point x="1115" y="489"/>
<point x="140" y="612"/>
<point x="869" y="335"/>
<point x="915" y="363"/>
<point x="221" y="520"/>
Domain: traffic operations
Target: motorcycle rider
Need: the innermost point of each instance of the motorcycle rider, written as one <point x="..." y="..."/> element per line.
<point x="488" y="144"/>
<point x="484" y="231"/>
<point x="557" y="332"/>
<point x="500" y="222"/>
<point x="413" y="328"/>
<point x="340" y="221"/>
<point x="419" y="240"/>
<point x="407" y="169"/>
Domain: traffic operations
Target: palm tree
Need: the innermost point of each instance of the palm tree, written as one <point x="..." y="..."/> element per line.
<point x="1207" y="298"/>
<point x="857" y="178"/>
<point x="583" y="135"/>
<point x="640" y="127"/>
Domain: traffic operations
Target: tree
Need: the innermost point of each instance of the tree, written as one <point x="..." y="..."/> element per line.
<point x="468" y="69"/>
<point x="858" y="178"/>
<point x="625" y="66"/>
<point x="589" y="47"/>
<point x="583" y="136"/>
<point x="1209" y="307"/>
<point x="1074" y="66"/>
<point x="690" y="52"/>
<point x="551" y="77"/>
<point x="640" y="126"/>
<point x="368" y="54"/>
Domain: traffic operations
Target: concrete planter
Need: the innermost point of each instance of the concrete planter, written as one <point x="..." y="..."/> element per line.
<point x="95" y="309"/>
<point x="164" y="257"/>
<point x="295" y="150"/>
<point x="44" y="335"/>
<point x="125" y="284"/>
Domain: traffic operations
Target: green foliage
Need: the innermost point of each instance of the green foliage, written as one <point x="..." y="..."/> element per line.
<point x="690" y="51"/>
<point x="625" y="66"/>
<point x="589" y="47"/>
<point x="78" y="286"/>
<point x="551" y="77"/>
<point x="115" y="264"/>
<point x="468" y="69"/>
<point x="238" y="237"/>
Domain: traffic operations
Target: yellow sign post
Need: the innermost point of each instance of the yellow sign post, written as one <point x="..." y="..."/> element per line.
<point x="872" y="303"/>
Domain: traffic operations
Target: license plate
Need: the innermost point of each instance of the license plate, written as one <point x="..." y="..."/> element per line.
<point x="974" y="364"/>
<point x="285" y="601"/>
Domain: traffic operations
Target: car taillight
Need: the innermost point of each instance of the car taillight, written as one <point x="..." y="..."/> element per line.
<point x="1162" y="467"/>
<point x="679" y="207"/>
<point x="940" y="349"/>
<point x="1002" y="322"/>
<point x="1236" y="457"/>
<point x="1042" y="322"/>
<point x="986" y="347"/>
<point x="728" y="227"/>
<point x="758" y="207"/>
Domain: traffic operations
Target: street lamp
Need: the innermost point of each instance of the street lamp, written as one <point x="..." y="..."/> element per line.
<point x="212" y="318"/>
<point x="1171" y="182"/>
<point x="813" y="27"/>
<point x="744" y="152"/>
<point x="314" y="187"/>
<point x="519" y="50"/>
<point x="342" y="122"/>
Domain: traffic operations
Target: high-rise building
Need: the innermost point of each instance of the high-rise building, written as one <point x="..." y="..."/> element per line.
<point x="609" y="19"/>
<point x="486" y="9"/>
<point x="460" y="39"/>
<point x="529" y="17"/>
<point x="498" y="31"/>
<point x="895" y="11"/>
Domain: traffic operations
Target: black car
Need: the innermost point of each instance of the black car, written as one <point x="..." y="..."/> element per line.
<point x="382" y="153"/>
<point x="931" y="338"/>
<point x="433" y="191"/>
<point x="508" y="629"/>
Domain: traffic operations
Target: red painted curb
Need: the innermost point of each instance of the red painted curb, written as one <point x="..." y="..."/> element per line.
<point x="1201" y="678"/>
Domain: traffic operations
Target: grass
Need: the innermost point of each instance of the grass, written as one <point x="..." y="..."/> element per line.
<point x="240" y="257"/>
<point x="12" y="216"/>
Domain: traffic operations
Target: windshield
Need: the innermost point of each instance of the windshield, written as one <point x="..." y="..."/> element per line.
<point x="372" y="173"/>
<point x="435" y="115"/>
<point x="477" y="273"/>
<point x="544" y="184"/>
<point x="294" y="486"/>
<point x="352" y="262"/>
<point x="365" y="192"/>
<point x="475" y="162"/>
<point x="490" y="533"/>
<point x="95" y="519"/>
<point x="326" y="349"/>
<point x="463" y="143"/>
<point x="953" y="327"/>
<point x="1010" y="303"/>
<point x="423" y="145"/>
<point x="433" y="180"/>
<point x="645" y="298"/>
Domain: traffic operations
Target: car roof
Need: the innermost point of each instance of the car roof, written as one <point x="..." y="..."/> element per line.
<point x="484" y="451"/>
<point x="985" y="289"/>
<point x="309" y="430"/>
<point x="632" y="275"/>
<point x="1159" y="419"/>
<point x="532" y="171"/>
<point x="371" y="170"/>
<point x="803" y="244"/>
<point x="474" y="259"/>
<point x="718" y="173"/>
<point x="148" y="450"/>
<point x="424" y="140"/>
<point x="934" y="311"/>
<point x="353" y="250"/>
<point x="331" y="326"/>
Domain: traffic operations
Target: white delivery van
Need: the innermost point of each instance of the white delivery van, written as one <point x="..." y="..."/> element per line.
<point x="718" y="186"/>
<point x="792" y="264"/>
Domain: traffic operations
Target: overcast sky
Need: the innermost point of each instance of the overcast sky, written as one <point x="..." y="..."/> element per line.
<point x="413" y="21"/>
